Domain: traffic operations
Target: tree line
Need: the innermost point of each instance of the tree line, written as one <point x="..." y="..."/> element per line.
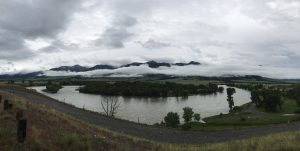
<point x="294" y="93"/>
<point x="270" y="100"/>
<point x="148" y="89"/>
<point x="52" y="87"/>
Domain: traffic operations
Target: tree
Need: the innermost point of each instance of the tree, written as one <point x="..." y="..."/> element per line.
<point x="187" y="114"/>
<point x="186" y="126"/>
<point x="221" y="89"/>
<point x="31" y="83"/>
<point x="272" y="101"/>
<point x="147" y="89"/>
<point x="172" y="120"/>
<point x="11" y="82"/>
<point x="110" y="105"/>
<point x="197" y="117"/>
<point x="255" y="97"/>
<point x="49" y="82"/>
<point x="52" y="88"/>
<point x="213" y="86"/>
<point x="230" y="92"/>
<point x="294" y="93"/>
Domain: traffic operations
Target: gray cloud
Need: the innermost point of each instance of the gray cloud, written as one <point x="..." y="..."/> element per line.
<point x="116" y="35"/>
<point x="114" y="38"/>
<point x="12" y="47"/>
<point x="58" y="46"/>
<point x="152" y="44"/>
<point x="50" y="49"/>
<point x="30" y="19"/>
<point x="36" y="18"/>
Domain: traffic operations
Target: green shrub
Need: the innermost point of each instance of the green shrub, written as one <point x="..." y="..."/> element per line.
<point x="243" y="119"/>
<point x="172" y="120"/>
<point x="220" y="115"/>
<point x="298" y="101"/>
<point x="187" y="114"/>
<point x="186" y="126"/>
<point x="236" y="109"/>
<point x="221" y="89"/>
<point x="197" y="117"/>
<point x="298" y="110"/>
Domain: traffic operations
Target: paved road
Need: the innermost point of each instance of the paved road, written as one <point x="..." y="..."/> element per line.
<point x="151" y="132"/>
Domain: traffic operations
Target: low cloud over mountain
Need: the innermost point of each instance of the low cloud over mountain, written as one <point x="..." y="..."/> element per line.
<point x="150" y="64"/>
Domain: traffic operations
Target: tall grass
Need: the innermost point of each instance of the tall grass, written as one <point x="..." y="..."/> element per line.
<point x="276" y="142"/>
<point x="7" y="142"/>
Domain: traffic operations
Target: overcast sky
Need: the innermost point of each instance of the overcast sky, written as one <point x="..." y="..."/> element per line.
<point x="232" y="36"/>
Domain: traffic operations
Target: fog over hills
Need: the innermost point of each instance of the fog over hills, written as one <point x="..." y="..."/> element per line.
<point x="150" y="64"/>
<point x="139" y="69"/>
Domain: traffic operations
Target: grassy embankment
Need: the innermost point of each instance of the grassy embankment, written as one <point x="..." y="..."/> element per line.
<point x="52" y="130"/>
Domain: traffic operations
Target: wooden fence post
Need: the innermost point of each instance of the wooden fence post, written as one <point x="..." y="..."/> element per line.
<point x="20" y="115"/>
<point x="22" y="128"/>
<point x="7" y="105"/>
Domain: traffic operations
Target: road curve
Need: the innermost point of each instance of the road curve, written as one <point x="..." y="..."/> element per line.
<point x="151" y="132"/>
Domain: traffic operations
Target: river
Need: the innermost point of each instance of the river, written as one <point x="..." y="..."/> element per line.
<point x="151" y="110"/>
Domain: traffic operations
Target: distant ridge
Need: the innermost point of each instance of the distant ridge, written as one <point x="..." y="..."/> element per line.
<point x="75" y="68"/>
<point x="151" y="64"/>
<point x="82" y="72"/>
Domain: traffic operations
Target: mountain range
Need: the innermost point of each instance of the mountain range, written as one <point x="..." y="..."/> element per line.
<point x="79" y="68"/>
<point x="106" y="70"/>
<point x="150" y="64"/>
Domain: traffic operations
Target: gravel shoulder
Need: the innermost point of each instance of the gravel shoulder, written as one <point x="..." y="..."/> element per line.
<point x="151" y="132"/>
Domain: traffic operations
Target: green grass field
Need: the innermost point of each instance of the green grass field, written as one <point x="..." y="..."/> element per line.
<point x="289" y="106"/>
<point x="275" y="142"/>
<point x="245" y="120"/>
